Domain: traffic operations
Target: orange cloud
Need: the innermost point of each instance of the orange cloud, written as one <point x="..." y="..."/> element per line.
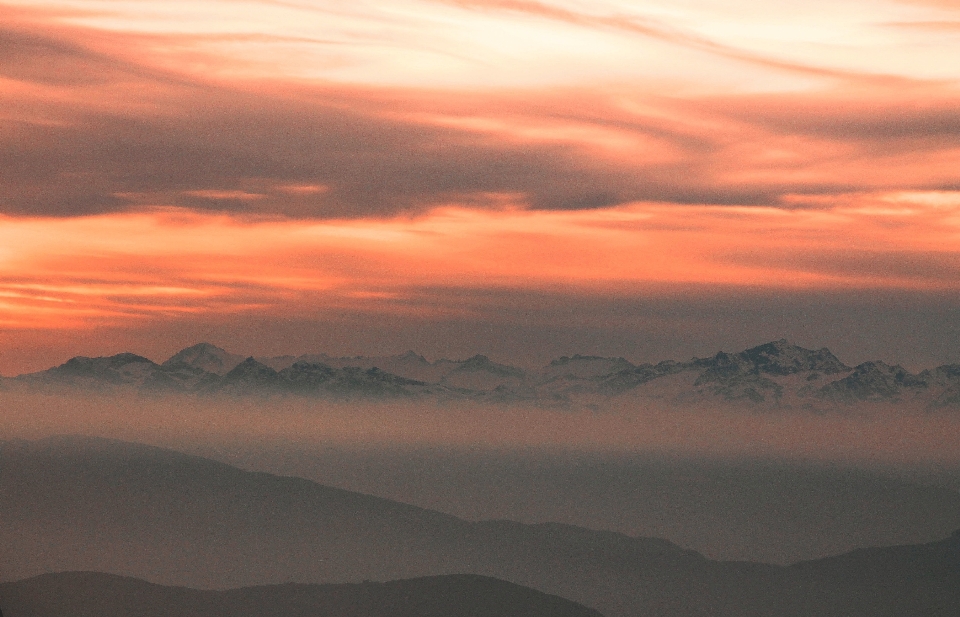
<point x="188" y="161"/>
<point x="80" y="272"/>
<point x="104" y="111"/>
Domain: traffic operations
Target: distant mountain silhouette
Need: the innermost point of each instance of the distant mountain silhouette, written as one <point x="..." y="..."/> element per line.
<point x="119" y="370"/>
<point x="778" y="374"/>
<point x="91" y="594"/>
<point x="783" y="358"/>
<point x="187" y="372"/>
<point x="206" y="357"/>
<point x="100" y="505"/>
<point x="874" y="381"/>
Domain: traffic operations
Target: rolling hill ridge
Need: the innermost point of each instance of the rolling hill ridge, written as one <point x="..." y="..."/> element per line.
<point x="87" y="504"/>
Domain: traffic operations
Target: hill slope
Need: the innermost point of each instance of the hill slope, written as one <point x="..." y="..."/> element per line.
<point x="99" y="505"/>
<point x="91" y="594"/>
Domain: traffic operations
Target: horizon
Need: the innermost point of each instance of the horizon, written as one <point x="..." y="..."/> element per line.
<point x="517" y="179"/>
<point x="454" y="359"/>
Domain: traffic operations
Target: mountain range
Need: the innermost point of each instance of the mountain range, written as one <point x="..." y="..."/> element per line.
<point x="86" y="504"/>
<point x="777" y="374"/>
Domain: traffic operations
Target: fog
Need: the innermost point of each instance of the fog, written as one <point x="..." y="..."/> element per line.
<point x="775" y="486"/>
<point x="874" y="436"/>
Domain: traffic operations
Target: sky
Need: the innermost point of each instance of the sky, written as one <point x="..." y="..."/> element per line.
<point x="518" y="178"/>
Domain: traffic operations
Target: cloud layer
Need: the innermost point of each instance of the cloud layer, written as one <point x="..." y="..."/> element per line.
<point x="106" y="112"/>
<point x="421" y="281"/>
<point x="459" y="162"/>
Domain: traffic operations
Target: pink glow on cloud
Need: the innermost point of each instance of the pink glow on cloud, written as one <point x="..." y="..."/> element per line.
<point x="76" y="273"/>
<point x="204" y="159"/>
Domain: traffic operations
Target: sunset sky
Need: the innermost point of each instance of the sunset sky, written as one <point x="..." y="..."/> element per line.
<point x="519" y="178"/>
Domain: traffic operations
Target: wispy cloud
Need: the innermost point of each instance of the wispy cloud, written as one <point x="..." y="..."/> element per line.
<point x="108" y="111"/>
<point x="375" y="156"/>
<point x="643" y="25"/>
<point x="80" y="272"/>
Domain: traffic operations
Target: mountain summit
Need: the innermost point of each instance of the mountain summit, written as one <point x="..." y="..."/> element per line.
<point x="207" y="357"/>
<point x="784" y="358"/>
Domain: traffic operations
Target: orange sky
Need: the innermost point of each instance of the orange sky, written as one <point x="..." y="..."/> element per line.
<point x="199" y="162"/>
<point x="64" y="273"/>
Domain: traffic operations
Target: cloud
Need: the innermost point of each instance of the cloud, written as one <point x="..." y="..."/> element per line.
<point x="916" y="117"/>
<point x="643" y="25"/>
<point x="523" y="179"/>
<point x="933" y="26"/>
<point x="379" y="152"/>
<point x="948" y="5"/>
<point x="462" y="277"/>
<point x="100" y="120"/>
<point x="221" y="142"/>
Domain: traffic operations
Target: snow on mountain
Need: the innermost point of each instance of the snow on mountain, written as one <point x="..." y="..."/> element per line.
<point x="778" y="374"/>
<point x="207" y="357"/>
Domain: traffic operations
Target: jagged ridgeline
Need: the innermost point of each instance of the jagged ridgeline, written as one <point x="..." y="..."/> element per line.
<point x="777" y="374"/>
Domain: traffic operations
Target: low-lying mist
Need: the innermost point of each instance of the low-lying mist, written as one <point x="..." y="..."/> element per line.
<point x="732" y="483"/>
<point x="881" y="435"/>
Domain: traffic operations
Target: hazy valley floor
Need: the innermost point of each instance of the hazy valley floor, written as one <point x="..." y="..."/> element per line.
<point x="165" y="517"/>
<point x="766" y="510"/>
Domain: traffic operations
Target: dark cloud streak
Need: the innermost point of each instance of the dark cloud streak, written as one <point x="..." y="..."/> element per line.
<point x="107" y="133"/>
<point x="916" y="329"/>
<point x="914" y="116"/>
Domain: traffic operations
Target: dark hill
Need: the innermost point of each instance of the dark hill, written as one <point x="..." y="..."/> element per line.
<point x="898" y="581"/>
<point x="87" y="504"/>
<point x="101" y="505"/>
<point x="91" y="594"/>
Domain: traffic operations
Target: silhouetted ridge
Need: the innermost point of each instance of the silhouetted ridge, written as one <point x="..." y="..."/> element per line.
<point x="483" y="363"/>
<point x="630" y="378"/>
<point x="412" y="355"/>
<point x="92" y="594"/>
<point x="896" y="581"/>
<point x="96" y="504"/>
<point x="564" y="360"/>
<point x="205" y="356"/>
<point x="784" y="358"/>
<point x="873" y="381"/>
<point x="307" y="377"/>
<point x="82" y="365"/>
<point x="250" y="376"/>
<point x="81" y="371"/>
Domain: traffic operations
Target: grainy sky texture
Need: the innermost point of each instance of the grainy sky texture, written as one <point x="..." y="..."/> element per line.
<point x="519" y="178"/>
